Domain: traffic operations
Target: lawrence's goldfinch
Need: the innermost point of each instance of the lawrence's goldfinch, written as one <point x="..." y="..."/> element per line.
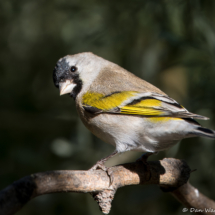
<point x="122" y="109"/>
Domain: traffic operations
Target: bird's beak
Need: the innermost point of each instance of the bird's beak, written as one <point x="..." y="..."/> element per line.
<point x="66" y="87"/>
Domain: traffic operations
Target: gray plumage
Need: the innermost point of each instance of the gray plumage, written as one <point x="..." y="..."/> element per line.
<point x="126" y="132"/>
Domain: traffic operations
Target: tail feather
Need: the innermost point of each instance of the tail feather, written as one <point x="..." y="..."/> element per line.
<point x="196" y="116"/>
<point x="205" y="132"/>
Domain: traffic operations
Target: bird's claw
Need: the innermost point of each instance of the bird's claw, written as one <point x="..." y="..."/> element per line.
<point x="99" y="165"/>
<point x="110" y="174"/>
<point x="108" y="170"/>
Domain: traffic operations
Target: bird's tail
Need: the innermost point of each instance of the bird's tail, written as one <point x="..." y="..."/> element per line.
<point x="205" y="132"/>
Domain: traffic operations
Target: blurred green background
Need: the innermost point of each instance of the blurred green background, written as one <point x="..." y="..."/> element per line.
<point x="170" y="43"/>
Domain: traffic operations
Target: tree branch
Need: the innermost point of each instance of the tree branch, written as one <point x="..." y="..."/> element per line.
<point x="170" y="174"/>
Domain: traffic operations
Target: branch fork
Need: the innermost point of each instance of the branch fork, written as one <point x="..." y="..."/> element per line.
<point x="170" y="174"/>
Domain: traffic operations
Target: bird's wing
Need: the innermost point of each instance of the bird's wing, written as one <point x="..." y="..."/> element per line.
<point x="136" y="103"/>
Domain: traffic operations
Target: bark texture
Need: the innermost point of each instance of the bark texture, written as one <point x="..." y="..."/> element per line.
<point x="170" y="174"/>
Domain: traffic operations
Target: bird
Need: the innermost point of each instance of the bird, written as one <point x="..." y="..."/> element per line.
<point x="122" y="109"/>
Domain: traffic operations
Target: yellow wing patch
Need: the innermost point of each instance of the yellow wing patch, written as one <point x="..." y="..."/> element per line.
<point x="144" y="107"/>
<point x="103" y="102"/>
<point x="131" y="103"/>
<point x="149" y="103"/>
<point x="162" y="119"/>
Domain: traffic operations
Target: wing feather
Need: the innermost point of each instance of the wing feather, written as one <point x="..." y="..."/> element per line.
<point x="135" y="103"/>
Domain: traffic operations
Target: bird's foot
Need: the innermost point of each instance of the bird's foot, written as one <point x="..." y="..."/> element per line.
<point x="144" y="157"/>
<point x="108" y="170"/>
<point x="110" y="173"/>
<point x="99" y="165"/>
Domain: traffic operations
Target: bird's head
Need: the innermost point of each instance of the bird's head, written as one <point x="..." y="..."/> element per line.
<point x="72" y="73"/>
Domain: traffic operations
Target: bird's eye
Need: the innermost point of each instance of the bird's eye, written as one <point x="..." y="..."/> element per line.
<point x="73" y="69"/>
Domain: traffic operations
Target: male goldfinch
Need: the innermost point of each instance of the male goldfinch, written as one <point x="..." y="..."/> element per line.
<point x="122" y="109"/>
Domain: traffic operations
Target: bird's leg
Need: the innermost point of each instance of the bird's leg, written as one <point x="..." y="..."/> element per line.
<point x="100" y="164"/>
<point x="144" y="157"/>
